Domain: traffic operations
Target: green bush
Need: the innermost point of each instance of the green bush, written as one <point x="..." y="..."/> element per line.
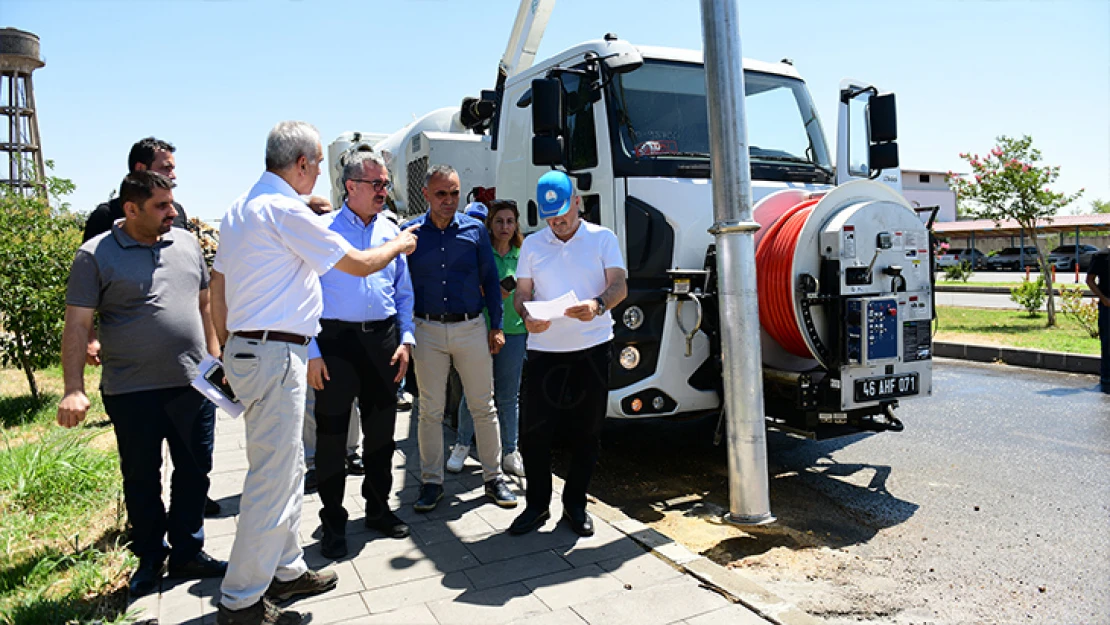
<point x="36" y="251"/>
<point x="1030" y="295"/>
<point x="1085" y="313"/>
<point x="960" y="271"/>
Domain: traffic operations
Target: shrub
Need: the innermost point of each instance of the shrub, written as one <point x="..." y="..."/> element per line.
<point x="1085" y="313"/>
<point x="36" y="251"/>
<point x="1030" y="295"/>
<point x="961" y="271"/>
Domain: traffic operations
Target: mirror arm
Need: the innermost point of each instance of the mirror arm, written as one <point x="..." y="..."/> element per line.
<point x="850" y="94"/>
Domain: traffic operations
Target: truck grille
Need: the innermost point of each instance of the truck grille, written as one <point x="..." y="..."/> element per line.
<point x="417" y="169"/>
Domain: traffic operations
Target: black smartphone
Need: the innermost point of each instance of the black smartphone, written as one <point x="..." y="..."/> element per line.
<point x="216" y="376"/>
<point x="508" y="283"/>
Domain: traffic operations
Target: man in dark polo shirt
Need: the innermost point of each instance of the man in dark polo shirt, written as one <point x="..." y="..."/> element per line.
<point x="149" y="284"/>
<point x="148" y="154"/>
<point x="1098" y="279"/>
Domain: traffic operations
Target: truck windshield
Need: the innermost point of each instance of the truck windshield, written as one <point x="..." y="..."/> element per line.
<point x="661" y="125"/>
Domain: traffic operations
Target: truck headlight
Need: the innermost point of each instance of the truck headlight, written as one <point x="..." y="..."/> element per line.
<point x="633" y="317"/>
<point x="630" y="357"/>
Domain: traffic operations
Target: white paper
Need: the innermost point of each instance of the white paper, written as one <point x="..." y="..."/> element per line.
<point x="551" y="309"/>
<point x="213" y="392"/>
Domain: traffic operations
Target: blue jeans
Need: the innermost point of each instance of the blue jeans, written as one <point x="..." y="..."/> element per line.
<point x="186" y="421"/>
<point x="507" y="366"/>
<point x="1104" y="339"/>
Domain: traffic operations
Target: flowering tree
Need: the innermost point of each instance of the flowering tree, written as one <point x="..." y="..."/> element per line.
<point x="1011" y="183"/>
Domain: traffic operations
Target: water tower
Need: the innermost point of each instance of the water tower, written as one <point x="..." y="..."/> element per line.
<point x="19" y="141"/>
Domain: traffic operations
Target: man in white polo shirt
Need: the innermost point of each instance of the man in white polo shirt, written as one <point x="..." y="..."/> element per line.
<point x="567" y="369"/>
<point x="266" y="305"/>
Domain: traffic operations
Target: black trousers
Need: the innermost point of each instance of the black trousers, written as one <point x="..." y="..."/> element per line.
<point x="185" y="420"/>
<point x="565" y="394"/>
<point x="357" y="357"/>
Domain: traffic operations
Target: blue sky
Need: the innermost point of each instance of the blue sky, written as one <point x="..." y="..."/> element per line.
<point x="213" y="76"/>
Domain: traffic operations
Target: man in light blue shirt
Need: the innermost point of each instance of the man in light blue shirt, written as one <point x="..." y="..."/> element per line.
<point x="362" y="352"/>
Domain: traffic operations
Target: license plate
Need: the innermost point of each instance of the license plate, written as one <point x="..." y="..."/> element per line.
<point x="873" y="389"/>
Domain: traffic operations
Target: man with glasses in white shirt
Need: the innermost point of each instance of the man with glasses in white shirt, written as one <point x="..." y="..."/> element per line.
<point x="266" y="306"/>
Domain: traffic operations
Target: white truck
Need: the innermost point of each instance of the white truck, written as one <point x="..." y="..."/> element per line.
<point x="845" y="293"/>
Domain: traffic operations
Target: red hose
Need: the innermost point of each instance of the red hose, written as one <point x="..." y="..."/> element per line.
<point x="774" y="265"/>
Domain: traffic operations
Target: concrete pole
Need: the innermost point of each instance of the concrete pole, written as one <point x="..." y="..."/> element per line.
<point x="734" y="231"/>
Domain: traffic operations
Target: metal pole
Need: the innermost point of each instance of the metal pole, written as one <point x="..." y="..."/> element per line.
<point x="734" y="231"/>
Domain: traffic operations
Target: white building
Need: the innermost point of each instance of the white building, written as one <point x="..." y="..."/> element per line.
<point x="929" y="188"/>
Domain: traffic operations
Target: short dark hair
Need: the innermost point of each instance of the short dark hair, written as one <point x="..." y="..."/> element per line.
<point x="143" y="152"/>
<point x="139" y="186"/>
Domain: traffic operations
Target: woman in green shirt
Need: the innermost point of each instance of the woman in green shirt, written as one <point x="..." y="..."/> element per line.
<point x="505" y="237"/>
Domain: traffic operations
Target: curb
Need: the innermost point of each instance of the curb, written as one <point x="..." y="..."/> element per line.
<point x="1033" y="358"/>
<point x="992" y="290"/>
<point x="733" y="585"/>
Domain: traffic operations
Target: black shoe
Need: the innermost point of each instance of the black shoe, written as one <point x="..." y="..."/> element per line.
<point x="211" y="508"/>
<point x="355" y="466"/>
<point x="145" y="579"/>
<point x="498" y="491"/>
<point x="262" y="613"/>
<point x="310" y="482"/>
<point x="580" y="522"/>
<point x="201" y="566"/>
<point x="389" y="525"/>
<point x="333" y="546"/>
<point x="430" y="494"/>
<point x="529" y="520"/>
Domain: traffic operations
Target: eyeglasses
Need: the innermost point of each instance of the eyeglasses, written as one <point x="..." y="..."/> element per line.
<point x="379" y="185"/>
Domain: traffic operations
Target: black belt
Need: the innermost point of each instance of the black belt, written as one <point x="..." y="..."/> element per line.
<point x="379" y="325"/>
<point x="274" y="335"/>
<point x="448" y="317"/>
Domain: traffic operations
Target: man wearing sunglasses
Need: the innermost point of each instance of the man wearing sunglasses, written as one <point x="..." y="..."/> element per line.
<point x="454" y="276"/>
<point x="362" y="353"/>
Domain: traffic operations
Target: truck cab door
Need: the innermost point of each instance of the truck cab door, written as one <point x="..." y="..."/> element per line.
<point x="866" y="136"/>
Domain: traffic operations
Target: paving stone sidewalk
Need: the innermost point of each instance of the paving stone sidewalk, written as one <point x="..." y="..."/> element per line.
<point x="459" y="565"/>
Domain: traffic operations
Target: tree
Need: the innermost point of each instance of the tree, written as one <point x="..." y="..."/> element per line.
<point x="1011" y="183"/>
<point x="1100" y="207"/>
<point x="36" y="251"/>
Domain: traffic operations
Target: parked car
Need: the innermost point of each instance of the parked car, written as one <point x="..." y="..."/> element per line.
<point x="957" y="255"/>
<point x="1063" y="257"/>
<point x="1010" y="258"/>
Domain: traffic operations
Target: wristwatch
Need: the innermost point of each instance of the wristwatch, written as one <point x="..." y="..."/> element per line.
<point x="600" y="306"/>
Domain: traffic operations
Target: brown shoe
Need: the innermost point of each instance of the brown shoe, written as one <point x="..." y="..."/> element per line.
<point x="261" y="613"/>
<point x="310" y="583"/>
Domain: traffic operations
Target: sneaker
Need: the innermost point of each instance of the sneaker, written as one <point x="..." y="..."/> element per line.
<point x="430" y="494"/>
<point x="513" y="464"/>
<point x="498" y="490"/>
<point x="458" y="458"/>
<point x="262" y="613"/>
<point x="310" y="483"/>
<point x="309" y="583"/>
<point x="200" y="566"/>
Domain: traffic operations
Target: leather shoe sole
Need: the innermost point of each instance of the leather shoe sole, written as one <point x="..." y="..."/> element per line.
<point x="585" y="527"/>
<point x="528" y="521"/>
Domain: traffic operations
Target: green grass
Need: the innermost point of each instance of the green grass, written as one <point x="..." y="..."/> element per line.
<point x="61" y="554"/>
<point x="1058" y="285"/>
<point x="1012" y="328"/>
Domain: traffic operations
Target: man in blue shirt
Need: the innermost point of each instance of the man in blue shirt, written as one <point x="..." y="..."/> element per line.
<point x="454" y="276"/>
<point x="362" y="352"/>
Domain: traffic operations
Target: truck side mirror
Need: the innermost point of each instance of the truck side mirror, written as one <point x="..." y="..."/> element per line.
<point x="547" y="150"/>
<point x="547" y="106"/>
<point x="882" y="122"/>
<point x="882" y="118"/>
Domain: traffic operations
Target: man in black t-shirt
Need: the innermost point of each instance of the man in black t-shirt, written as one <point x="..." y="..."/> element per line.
<point x="148" y="154"/>
<point x="1098" y="279"/>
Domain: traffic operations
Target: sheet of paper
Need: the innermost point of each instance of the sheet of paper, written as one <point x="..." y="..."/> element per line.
<point x="551" y="309"/>
<point x="213" y="392"/>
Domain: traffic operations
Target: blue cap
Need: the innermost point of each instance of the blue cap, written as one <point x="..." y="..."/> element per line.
<point x="553" y="193"/>
<point x="477" y="210"/>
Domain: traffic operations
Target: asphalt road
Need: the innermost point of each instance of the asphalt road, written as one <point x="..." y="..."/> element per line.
<point x="993" y="506"/>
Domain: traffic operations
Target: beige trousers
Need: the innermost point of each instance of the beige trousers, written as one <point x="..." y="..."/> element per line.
<point x="466" y="345"/>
